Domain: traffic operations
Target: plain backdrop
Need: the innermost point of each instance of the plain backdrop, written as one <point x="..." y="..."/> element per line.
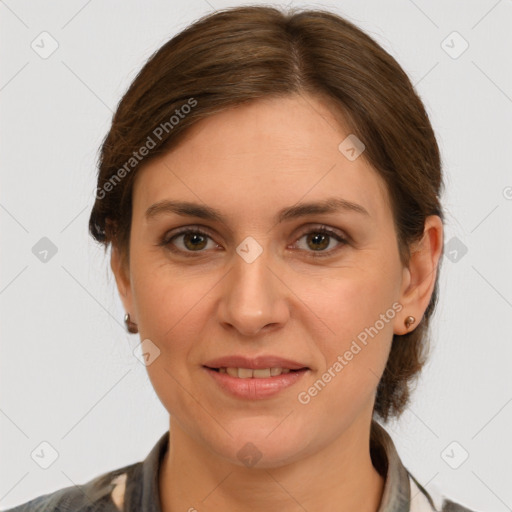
<point x="68" y="373"/>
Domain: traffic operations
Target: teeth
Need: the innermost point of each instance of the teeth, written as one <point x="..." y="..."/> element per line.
<point x="233" y="372"/>
<point x="260" y="373"/>
<point x="244" y="373"/>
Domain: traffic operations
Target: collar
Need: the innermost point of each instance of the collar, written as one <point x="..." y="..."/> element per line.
<point x="142" y="488"/>
<point x="396" y="496"/>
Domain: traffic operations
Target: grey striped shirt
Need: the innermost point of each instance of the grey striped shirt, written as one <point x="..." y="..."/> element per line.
<point x="134" y="488"/>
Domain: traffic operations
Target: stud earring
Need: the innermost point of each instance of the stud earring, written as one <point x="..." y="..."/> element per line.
<point x="130" y="326"/>
<point x="409" y="321"/>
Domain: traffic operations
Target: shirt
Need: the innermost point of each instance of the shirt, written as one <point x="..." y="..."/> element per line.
<point x="134" y="488"/>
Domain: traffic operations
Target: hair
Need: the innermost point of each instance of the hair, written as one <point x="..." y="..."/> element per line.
<point x="240" y="54"/>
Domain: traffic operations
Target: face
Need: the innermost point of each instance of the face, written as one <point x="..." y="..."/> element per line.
<point x="316" y="292"/>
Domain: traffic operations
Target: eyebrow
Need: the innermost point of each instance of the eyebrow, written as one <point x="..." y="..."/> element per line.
<point x="186" y="208"/>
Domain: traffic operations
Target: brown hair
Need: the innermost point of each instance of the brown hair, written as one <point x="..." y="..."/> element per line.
<point x="244" y="53"/>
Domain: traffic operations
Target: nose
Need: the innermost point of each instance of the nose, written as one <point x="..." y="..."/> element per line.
<point x="254" y="298"/>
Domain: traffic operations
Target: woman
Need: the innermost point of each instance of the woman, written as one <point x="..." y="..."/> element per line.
<point x="270" y="189"/>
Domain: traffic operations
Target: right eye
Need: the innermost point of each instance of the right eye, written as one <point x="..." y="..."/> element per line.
<point x="192" y="240"/>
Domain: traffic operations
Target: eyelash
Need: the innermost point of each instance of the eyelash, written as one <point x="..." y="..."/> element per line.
<point x="166" y="241"/>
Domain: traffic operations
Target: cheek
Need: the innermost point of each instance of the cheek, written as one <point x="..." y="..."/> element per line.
<point x="171" y="312"/>
<point x="168" y="301"/>
<point x="354" y="300"/>
<point x="356" y="311"/>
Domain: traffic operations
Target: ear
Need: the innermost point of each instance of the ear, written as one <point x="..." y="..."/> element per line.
<point x="121" y="274"/>
<point x="419" y="277"/>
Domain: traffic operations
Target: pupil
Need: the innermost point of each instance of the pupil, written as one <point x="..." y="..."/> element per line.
<point x="195" y="238"/>
<point x="319" y="238"/>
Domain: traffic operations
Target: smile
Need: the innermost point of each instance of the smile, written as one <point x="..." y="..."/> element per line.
<point x="247" y="373"/>
<point x="254" y="383"/>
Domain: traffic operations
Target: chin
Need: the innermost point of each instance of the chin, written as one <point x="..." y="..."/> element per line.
<point x="260" y="446"/>
<point x="264" y="455"/>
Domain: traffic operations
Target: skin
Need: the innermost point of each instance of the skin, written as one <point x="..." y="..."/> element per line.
<point x="249" y="162"/>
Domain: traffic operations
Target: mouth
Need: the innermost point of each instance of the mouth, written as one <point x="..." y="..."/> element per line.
<point x="255" y="383"/>
<point x="255" y="373"/>
<point x="259" y="377"/>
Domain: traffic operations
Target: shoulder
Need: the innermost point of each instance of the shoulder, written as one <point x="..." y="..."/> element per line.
<point x="452" y="506"/>
<point x="103" y="493"/>
<point x="424" y="501"/>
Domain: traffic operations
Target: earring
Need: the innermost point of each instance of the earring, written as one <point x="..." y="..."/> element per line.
<point x="130" y="326"/>
<point x="409" y="321"/>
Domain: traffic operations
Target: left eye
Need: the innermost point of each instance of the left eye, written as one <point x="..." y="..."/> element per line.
<point x="195" y="240"/>
<point x="320" y="238"/>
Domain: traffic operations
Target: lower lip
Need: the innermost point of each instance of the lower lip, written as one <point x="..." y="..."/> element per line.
<point x="255" y="388"/>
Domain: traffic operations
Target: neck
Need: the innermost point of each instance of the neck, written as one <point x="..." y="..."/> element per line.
<point x="340" y="477"/>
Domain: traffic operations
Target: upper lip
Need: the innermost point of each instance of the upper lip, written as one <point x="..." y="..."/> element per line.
<point x="254" y="363"/>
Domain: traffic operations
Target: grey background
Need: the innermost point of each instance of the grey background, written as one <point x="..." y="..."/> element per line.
<point x="68" y="373"/>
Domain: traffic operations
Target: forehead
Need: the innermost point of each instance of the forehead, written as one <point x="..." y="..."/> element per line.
<point x="263" y="155"/>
